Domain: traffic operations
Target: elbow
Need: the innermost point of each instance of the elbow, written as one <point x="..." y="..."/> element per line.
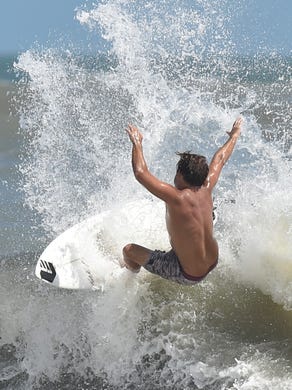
<point x="139" y="174"/>
<point x="221" y="158"/>
<point x="218" y="159"/>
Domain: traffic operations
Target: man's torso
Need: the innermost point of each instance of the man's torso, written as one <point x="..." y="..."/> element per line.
<point x="190" y="227"/>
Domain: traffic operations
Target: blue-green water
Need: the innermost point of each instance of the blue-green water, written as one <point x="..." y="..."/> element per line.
<point x="64" y="156"/>
<point x="6" y="68"/>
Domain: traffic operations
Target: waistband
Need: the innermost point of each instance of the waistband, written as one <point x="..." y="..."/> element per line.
<point x="199" y="278"/>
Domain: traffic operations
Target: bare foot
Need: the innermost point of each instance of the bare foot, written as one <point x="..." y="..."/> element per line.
<point x="123" y="264"/>
<point x="135" y="271"/>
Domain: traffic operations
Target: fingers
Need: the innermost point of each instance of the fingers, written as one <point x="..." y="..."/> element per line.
<point x="238" y="122"/>
<point x="236" y="128"/>
<point x="131" y="129"/>
<point x="134" y="134"/>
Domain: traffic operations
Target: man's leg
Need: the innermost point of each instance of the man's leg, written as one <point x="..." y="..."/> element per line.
<point x="135" y="256"/>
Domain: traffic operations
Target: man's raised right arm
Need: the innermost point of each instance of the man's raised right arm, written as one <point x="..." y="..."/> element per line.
<point x="223" y="154"/>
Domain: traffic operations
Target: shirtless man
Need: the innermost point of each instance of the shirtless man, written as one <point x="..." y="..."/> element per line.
<point x="189" y="209"/>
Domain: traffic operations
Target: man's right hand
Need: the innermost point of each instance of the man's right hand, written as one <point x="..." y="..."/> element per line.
<point x="223" y="154"/>
<point x="236" y="128"/>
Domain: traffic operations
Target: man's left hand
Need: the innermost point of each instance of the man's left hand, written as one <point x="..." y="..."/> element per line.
<point x="134" y="134"/>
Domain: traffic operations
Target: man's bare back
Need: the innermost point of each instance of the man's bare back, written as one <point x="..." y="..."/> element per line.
<point x="189" y="209"/>
<point x="190" y="227"/>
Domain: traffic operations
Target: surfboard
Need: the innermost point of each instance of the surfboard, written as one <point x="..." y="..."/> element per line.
<point x="86" y="256"/>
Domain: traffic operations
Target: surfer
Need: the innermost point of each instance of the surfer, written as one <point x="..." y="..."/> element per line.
<point x="189" y="206"/>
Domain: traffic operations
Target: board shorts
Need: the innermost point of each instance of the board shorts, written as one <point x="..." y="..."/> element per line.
<point x="167" y="265"/>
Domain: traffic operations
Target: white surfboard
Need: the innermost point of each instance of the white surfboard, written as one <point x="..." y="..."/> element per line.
<point x="86" y="256"/>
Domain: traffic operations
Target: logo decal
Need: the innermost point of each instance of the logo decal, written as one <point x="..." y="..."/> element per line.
<point x="48" y="271"/>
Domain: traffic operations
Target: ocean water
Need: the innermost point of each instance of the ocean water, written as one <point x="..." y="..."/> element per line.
<point x="171" y="69"/>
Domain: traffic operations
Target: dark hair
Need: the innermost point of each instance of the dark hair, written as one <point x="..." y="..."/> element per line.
<point x="193" y="168"/>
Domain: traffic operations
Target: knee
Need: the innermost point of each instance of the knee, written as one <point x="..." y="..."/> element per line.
<point x="127" y="250"/>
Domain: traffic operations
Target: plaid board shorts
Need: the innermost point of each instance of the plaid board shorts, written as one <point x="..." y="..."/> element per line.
<point x="167" y="265"/>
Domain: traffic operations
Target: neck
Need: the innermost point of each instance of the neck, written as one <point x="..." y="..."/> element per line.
<point x="195" y="188"/>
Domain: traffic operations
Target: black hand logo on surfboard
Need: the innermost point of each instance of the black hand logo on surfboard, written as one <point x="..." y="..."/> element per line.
<point x="48" y="271"/>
